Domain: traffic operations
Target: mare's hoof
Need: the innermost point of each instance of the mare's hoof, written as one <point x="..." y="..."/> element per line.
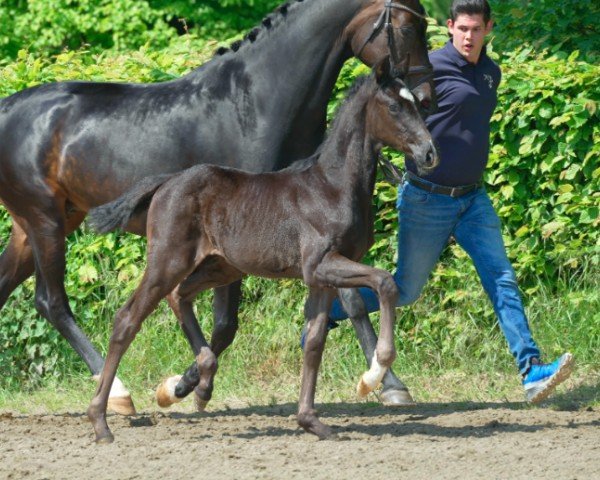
<point x="121" y="405"/>
<point x="165" y="393"/>
<point x="325" y="433"/>
<point x="396" y="398"/>
<point x="200" y="403"/>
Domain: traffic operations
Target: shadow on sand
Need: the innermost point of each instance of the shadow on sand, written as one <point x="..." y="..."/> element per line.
<point x="346" y="419"/>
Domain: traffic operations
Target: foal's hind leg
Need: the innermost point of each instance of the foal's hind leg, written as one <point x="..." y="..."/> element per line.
<point x="225" y="307"/>
<point x="210" y="274"/>
<point x="169" y="391"/>
<point x="164" y="272"/>
<point x="394" y="392"/>
<point x="316" y="310"/>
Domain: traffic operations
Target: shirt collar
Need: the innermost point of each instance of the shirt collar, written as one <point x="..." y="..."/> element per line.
<point x="457" y="58"/>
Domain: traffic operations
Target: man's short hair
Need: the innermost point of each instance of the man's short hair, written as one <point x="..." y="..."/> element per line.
<point x="471" y="7"/>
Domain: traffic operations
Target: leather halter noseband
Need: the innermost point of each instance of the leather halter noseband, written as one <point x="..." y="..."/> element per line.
<point x="385" y="21"/>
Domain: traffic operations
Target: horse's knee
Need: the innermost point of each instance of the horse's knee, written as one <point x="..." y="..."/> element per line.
<point x="387" y="288"/>
<point x="52" y="308"/>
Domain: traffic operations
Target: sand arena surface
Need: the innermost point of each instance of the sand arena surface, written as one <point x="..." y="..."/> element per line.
<point x="466" y="441"/>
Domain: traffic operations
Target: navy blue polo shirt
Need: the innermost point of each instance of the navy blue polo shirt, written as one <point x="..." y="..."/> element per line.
<point x="466" y="95"/>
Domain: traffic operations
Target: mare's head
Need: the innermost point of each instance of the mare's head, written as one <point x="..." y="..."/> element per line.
<point x="397" y="29"/>
<point x="393" y="120"/>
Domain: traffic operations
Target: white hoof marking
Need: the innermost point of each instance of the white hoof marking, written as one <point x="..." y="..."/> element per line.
<point x="165" y="393"/>
<point x="372" y="378"/>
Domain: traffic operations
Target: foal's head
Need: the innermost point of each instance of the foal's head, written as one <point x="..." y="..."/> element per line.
<point x="393" y="119"/>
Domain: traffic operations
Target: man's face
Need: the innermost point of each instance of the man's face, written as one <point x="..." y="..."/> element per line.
<point x="468" y="34"/>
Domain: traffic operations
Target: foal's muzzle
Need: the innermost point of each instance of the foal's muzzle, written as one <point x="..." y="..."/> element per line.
<point x="429" y="160"/>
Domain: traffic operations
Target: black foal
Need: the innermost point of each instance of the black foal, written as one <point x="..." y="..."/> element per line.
<point x="208" y="226"/>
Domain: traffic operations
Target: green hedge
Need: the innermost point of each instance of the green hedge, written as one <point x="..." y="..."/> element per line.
<point x="544" y="167"/>
<point x="565" y="25"/>
<point x="50" y="26"/>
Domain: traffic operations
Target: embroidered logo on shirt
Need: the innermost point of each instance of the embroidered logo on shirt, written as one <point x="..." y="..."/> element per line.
<point x="488" y="78"/>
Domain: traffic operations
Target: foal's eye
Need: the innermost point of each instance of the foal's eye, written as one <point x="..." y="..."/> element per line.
<point x="394" y="107"/>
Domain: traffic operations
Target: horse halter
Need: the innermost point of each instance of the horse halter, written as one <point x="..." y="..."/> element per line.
<point x="385" y="22"/>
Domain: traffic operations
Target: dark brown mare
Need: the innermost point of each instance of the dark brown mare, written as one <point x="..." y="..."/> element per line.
<point x="69" y="146"/>
<point x="208" y="226"/>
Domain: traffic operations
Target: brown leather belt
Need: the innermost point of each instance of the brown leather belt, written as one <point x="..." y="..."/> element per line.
<point x="453" y="192"/>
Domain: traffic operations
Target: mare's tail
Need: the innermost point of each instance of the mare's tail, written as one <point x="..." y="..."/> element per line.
<point x="117" y="213"/>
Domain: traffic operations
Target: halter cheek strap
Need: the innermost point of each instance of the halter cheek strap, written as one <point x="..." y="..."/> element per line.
<point x="385" y="21"/>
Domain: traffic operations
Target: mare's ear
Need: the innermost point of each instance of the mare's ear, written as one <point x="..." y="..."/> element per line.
<point x="383" y="71"/>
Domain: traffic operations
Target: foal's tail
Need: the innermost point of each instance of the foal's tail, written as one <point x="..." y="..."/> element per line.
<point x="136" y="200"/>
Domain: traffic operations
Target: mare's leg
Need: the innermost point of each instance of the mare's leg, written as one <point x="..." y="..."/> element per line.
<point x="167" y="267"/>
<point x="340" y="272"/>
<point x="316" y="310"/>
<point x="16" y="262"/>
<point x="40" y="244"/>
<point x="394" y="392"/>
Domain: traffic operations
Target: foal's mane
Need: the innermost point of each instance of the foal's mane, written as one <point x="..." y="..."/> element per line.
<point x="366" y="81"/>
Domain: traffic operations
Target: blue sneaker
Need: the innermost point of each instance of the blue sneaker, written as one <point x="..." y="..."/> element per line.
<point x="542" y="379"/>
<point x="331" y="324"/>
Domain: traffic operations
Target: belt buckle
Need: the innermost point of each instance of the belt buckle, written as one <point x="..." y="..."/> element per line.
<point x="452" y="192"/>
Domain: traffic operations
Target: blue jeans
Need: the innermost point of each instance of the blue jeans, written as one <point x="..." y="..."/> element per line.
<point x="426" y="222"/>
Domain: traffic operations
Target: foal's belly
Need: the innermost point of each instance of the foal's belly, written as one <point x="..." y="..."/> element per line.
<point x="264" y="257"/>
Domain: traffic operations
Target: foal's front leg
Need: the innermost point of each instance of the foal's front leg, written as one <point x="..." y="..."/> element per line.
<point x="340" y="272"/>
<point x="316" y="310"/>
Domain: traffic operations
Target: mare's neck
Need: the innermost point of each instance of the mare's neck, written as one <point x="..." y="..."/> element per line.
<point x="290" y="71"/>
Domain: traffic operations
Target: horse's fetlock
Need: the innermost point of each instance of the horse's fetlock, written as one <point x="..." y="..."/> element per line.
<point x="207" y="361"/>
<point x="307" y="418"/>
<point x="386" y="356"/>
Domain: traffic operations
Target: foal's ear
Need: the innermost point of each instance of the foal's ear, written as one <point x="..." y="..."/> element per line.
<point x="383" y="71"/>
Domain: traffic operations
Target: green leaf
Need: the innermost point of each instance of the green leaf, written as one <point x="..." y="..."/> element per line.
<point x="87" y="273"/>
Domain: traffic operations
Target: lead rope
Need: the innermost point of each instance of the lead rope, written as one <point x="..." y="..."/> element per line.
<point x="390" y="172"/>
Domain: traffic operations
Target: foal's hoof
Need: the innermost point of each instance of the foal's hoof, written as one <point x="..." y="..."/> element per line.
<point x="363" y="388"/>
<point x="396" y="398"/>
<point x="200" y="403"/>
<point x="121" y="405"/>
<point x="165" y="393"/>
<point x="105" y="439"/>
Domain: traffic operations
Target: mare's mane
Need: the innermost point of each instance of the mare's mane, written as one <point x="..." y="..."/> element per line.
<point x="272" y="20"/>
